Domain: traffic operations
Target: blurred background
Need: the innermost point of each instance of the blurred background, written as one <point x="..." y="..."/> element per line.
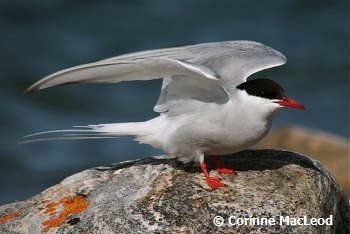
<point x="42" y="37"/>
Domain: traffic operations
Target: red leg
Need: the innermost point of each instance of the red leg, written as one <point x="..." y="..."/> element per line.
<point x="221" y="169"/>
<point x="214" y="183"/>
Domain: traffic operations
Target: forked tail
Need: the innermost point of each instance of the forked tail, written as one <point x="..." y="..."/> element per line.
<point x="99" y="131"/>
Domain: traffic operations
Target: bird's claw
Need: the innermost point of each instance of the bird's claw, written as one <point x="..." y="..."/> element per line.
<point x="214" y="183"/>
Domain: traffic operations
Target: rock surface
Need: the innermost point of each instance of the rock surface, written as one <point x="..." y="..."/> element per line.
<point x="332" y="151"/>
<point x="157" y="195"/>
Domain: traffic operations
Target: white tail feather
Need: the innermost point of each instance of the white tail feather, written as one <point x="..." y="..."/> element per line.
<point x="137" y="129"/>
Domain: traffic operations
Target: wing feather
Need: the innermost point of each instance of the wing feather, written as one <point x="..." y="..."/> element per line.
<point x="233" y="61"/>
<point x="206" y="72"/>
<point x="125" y="70"/>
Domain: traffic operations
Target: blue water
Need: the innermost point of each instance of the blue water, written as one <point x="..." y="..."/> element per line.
<point x="42" y="37"/>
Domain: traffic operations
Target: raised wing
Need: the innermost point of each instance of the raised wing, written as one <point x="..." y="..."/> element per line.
<point x="125" y="70"/>
<point x="233" y="61"/>
<point x="193" y="74"/>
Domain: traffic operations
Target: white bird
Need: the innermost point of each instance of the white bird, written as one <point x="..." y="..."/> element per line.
<point x="206" y="105"/>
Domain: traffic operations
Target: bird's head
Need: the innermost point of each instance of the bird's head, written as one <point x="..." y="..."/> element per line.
<point x="269" y="92"/>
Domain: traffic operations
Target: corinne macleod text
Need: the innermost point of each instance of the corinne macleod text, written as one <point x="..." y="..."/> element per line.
<point x="279" y="220"/>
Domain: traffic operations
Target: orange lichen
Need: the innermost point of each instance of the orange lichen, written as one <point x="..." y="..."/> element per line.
<point x="71" y="205"/>
<point x="10" y="216"/>
<point x="51" y="208"/>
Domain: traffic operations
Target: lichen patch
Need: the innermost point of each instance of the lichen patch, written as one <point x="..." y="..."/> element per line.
<point x="71" y="205"/>
<point x="14" y="214"/>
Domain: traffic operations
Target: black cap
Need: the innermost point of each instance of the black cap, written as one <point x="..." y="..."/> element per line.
<point x="264" y="88"/>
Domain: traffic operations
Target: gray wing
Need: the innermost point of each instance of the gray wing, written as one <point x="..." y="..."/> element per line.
<point x="198" y="73"/>
<point x="125" y="70"/>
<point x="233" y="61"/>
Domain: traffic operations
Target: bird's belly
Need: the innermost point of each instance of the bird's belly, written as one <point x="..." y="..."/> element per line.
<point x="216" y="142"/>
<point x="219" y="135"/>
<point x="234" y="143"/>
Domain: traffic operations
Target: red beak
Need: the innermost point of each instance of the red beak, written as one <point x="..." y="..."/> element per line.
<point x="290" y="103"/>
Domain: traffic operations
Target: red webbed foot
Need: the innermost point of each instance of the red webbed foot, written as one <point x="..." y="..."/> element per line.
<point x="226" y="170"/>
<point x="213" y="183"/>
<point x="221" y="169"/>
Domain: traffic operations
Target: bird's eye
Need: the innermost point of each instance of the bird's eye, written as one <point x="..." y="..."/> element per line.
<point x="262" y="94"/>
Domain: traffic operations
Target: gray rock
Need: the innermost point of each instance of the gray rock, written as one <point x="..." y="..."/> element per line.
<point x="316" y="144"/>
<point x="157" y="195"/>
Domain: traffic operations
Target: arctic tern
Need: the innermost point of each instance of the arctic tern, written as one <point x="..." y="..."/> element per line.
<point x="206" y="105"/>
